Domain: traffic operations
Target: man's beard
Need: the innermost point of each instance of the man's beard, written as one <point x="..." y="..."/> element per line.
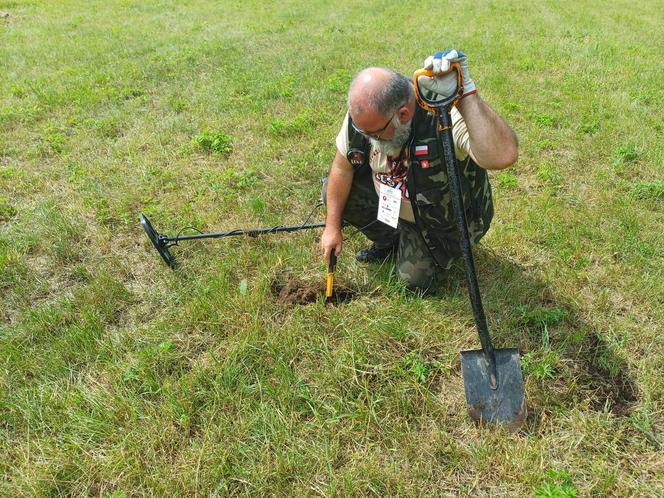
<point x="393" y="147"/>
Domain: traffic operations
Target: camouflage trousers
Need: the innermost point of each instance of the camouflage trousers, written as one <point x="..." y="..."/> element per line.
<point x="414" y="264"/>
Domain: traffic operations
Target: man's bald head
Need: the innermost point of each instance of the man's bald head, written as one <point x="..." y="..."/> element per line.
<point x="378" y="89"/>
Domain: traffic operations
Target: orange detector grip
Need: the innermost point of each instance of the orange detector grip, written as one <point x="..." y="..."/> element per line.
<point x="434" y="106"/>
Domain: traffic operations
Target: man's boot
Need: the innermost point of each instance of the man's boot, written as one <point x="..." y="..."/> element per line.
<point x="374" y="254"/>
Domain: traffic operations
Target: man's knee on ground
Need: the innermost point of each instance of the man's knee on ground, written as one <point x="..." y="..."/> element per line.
<point x="417" y="278"/>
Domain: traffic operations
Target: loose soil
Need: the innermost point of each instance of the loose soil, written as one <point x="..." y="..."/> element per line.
<point x="298" y="292"/>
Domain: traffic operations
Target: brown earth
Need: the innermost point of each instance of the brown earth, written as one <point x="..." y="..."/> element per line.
<point x="298" y="292"/>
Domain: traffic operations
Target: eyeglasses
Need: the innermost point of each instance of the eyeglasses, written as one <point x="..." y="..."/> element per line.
<point x="374" y="134"/>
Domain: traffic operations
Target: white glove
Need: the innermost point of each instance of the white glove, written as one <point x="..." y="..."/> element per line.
<point x="446" y="83"/>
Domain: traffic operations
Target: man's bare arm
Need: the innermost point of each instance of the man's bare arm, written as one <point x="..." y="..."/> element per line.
<point x="493" y="144"/>
<point x="339" y="183"/>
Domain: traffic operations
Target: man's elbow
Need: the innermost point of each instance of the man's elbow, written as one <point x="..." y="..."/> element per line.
<point x="505" y="156"/>
<point x="509" y="156"/>
<point x="498" y="161"/>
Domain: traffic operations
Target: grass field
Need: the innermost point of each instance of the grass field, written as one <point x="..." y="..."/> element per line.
<point x="119" y="377"/>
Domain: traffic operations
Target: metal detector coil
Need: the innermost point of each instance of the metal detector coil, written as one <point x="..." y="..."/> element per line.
<point x="159" y="241"/>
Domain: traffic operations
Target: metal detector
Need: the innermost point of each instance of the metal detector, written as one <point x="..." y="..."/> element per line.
<point x="162" y="243"/>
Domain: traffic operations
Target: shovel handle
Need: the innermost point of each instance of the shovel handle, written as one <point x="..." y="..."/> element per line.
<point x="435" y="106"/>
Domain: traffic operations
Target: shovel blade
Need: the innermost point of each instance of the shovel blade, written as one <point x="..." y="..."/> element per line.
<point x="504" y="405"/>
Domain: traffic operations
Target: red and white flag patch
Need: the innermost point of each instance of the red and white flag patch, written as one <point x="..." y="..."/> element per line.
<point x="421" y="150"/>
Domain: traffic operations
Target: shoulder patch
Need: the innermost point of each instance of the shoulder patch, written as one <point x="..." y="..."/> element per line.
<point x="355" y="157"/>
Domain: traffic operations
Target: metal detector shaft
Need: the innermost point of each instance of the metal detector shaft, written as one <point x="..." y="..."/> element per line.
<point x="251" y="232"/>
<point x="445" y="124"/>
<point x="162" y="243"/>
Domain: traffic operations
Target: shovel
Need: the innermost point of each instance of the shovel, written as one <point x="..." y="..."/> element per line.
<point x="492" y="377"/>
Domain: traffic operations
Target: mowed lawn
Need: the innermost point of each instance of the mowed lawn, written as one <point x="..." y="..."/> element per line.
<point x="120" y="377"/>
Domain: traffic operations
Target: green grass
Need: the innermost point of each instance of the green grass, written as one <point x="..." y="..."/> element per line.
<point x="119" y="377"/>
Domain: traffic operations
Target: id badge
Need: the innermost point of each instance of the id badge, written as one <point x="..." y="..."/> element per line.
<point x="389" y="204"/>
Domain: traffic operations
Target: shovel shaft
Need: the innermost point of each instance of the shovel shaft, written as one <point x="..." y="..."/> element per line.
<point x="444" y="133"/>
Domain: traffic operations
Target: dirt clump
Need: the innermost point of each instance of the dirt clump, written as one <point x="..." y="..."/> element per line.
<point x="297" y="292"/>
